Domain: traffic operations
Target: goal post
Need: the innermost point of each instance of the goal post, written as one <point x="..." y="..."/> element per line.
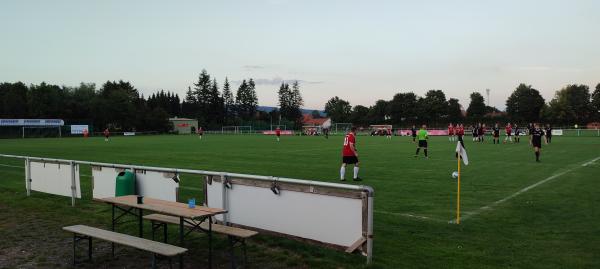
<point x="282" y="127"/>
<point x="236" y="129"/>
<point x="41" y="131"/>
<point x="341" y="128"/>
<point x="312" y="130"/>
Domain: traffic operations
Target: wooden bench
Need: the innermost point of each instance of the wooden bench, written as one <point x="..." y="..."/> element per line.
<point x="234" y="234"/>
<point x="158" y="249"/>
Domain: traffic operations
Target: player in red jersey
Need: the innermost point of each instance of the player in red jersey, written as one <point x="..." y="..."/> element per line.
<point x="508" y="130"/>
<point x="349" y="155"/>
<point x="451" y="132"/>
<point x="86" y="133"/>
<point x="106" y="134"/>
<point x="278" y="133"/>
<point x="460" y="132"/>
<point x="200" y="132"/>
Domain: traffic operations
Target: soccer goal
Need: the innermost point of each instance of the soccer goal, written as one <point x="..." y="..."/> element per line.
<point x="341" y="128"/>
<point x="380" y="129"/>
<point x="281" y="127"/>
<point x="41" y="131"/>
<point x="312" y="130"/>
<point x="236" y="130"/>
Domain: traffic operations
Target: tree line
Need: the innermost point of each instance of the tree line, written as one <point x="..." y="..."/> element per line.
<point x="118" y="105"/>
<point x="573" y="104"/>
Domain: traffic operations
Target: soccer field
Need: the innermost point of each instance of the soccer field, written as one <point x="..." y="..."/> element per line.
<point x="517" y="213"/>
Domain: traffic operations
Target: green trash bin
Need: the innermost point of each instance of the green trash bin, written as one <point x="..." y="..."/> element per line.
<point x="125" y="184"/>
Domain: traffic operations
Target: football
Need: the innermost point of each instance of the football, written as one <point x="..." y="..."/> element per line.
<point x="454" y="174"/>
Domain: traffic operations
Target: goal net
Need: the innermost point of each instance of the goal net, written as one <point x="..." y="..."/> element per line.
<point x="341" y="128"/>
<point x="236" y="130"/>
<point x="281" y="127"/>
<point x="41" y="131"/>
<point x="312" y="130"/>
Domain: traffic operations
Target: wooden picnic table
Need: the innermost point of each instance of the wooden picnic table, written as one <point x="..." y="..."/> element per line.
<point x="128" y="204"/>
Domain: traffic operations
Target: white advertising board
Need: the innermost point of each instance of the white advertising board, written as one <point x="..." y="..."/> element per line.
<point x="329" y="219"/>
<point x="557" y="132"/>
<point x="54" y="178"/>
<point x="159" y="185"/>
<point x="152" y="184"/>
<point x="104" y="179"/>
<point x="78" y="129"/>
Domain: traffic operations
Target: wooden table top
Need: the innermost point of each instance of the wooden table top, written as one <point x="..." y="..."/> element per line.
<point x="164" y="207"/>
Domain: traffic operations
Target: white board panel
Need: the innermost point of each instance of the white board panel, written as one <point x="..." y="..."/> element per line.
<point x="54" y="178"/>
<point x="158" y="185"/>
<point x="214" y="196"/>
<point x="329" y="219"/>
<point x="557" y="132"/>
<point x="104" y="181"/>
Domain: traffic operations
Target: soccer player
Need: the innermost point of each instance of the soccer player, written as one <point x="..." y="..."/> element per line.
<point x="535" y="139"/>
<point x="548" y="134"/>
<point x="200" y="132"/>
<point x="496" y="134"/>
<point x="475" y="132"/>
<point x="326" y="132"/>
<point x="349" y="155"/>
<point x="388" y="133"/>
<point x="422" y="141"/>
<point x="278" y="133"/>
<point x="517" y="134"/>
<point x="106" y="134"/>
<point x="508" y="130"/>
<point x="460" y="132"/>
<point x="450" y="132"/>
<point x="86" y="133"/>
<point x="482" y="131"/>
<point x="413" y="131"/>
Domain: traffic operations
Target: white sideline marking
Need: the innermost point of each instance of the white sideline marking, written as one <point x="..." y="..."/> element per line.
<point x="590" y="162"/>
<point x="478" y="211"/>
<point x="407" y="215"/>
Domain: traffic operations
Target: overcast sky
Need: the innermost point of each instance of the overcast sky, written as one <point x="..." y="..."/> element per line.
<point x="359" y="50"/>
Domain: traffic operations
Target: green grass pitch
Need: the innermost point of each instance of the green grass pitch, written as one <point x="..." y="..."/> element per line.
<point x="553" y="224"/>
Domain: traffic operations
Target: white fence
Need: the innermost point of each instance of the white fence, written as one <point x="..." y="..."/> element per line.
<point x="333" y="214"/>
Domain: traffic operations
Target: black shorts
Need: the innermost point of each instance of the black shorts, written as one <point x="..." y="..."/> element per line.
<point x="422" y="143"/>
<point x="496" y="135"/>
<point x="537" y="144"/>
<point x="350" y="159"/>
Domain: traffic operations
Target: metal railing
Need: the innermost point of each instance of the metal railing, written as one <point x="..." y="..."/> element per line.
<point x="363" y="188"/>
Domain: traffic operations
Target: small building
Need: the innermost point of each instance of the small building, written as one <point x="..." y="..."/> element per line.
<point x="318" y="123"/>
<point x="184" y="125"/>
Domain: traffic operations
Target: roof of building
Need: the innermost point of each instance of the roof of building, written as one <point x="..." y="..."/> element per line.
<point x="181" y="119"/>
<point x="307" y="119"/>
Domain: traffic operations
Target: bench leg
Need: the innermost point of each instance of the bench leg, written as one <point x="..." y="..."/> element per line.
<point x="112" y="245"/>
<point x="231" y="251"/>
<point x="74" y="248"/>
<point x="76" y="239"/>
<point x="153" y="261"/>
<point x="141" y="222"/>
<point x="165" y="232"/>
<point x="245" y="256"/>
<point x="90" y="248"/>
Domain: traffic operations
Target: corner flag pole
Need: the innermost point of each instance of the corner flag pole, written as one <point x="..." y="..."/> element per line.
<point x="458" y="194"/>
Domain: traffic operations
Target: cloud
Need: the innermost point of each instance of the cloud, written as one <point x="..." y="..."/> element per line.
<point x="253" y="67"/>
<point x="278" y="81"/>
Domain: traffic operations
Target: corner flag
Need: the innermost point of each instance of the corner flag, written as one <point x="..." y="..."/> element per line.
<point x="460" y="150"/>
<point x="461" y="153"/>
